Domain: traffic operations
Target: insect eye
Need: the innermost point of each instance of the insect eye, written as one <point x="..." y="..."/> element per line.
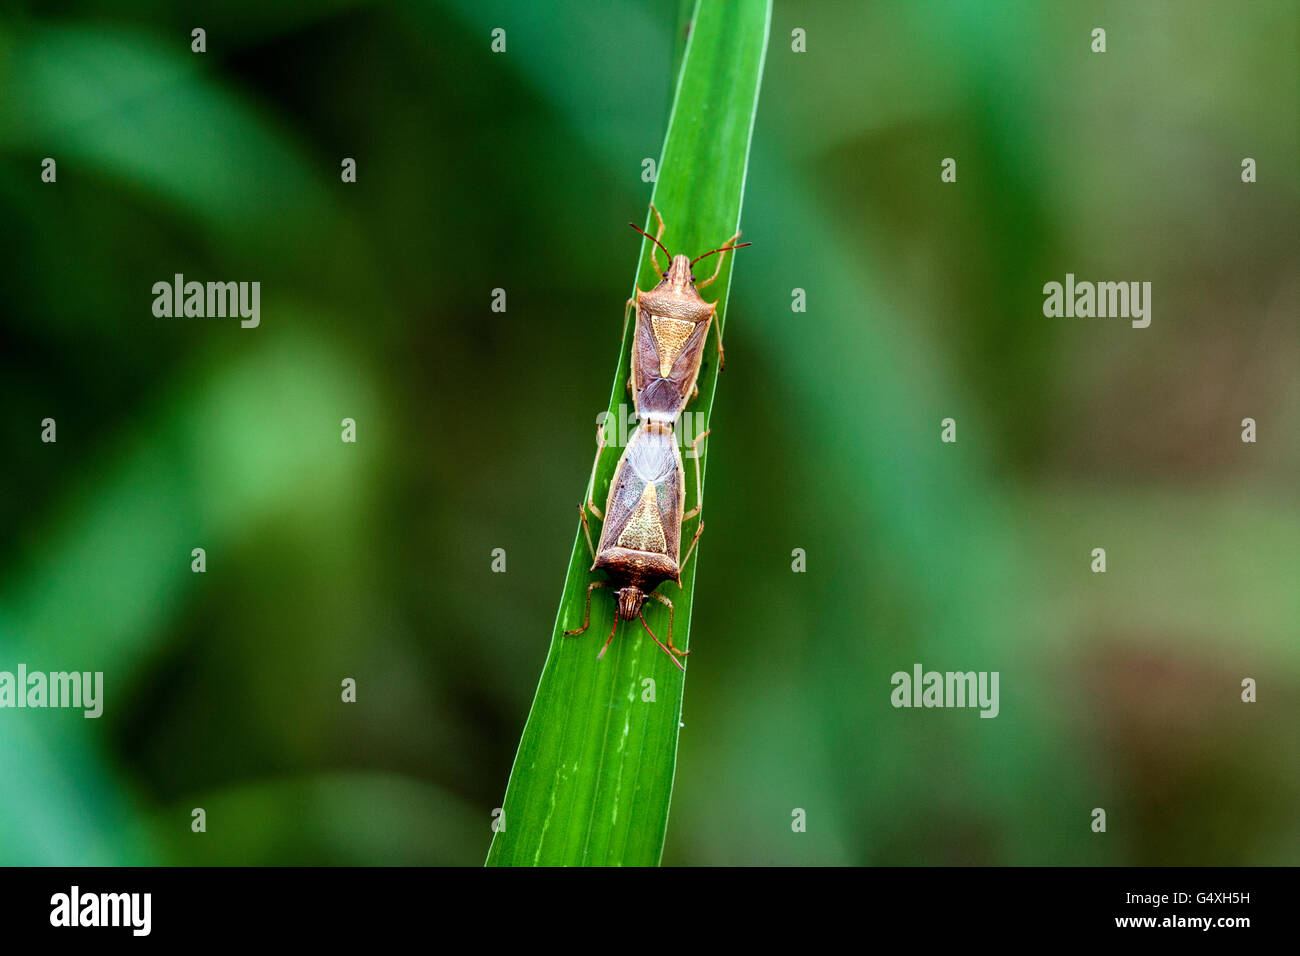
<point x="665" y="275"/>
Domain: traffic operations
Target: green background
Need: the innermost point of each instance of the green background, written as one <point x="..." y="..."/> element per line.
<point x="518" y="171"/>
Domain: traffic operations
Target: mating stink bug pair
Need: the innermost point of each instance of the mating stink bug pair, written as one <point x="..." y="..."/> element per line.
<point x="640" y="538"/>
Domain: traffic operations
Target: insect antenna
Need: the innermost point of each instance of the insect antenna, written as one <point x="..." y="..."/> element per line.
<point x="654" y="240"/>
<point x="661" y="647"/>
<point x="612" y="630"/>
<point x="739" y="245"/>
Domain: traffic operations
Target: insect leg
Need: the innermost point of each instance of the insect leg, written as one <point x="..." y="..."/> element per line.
<point x="717" y="324"/>
<point x="661" y="646"/>
<point x="699" y="502"/>
<point x="627" y="311"/>
<point x="669" y="604"/>
<point x="591" y="482"/>
<point x="721" y="257"/>
<point x="586" y="529"/>
<point x="586" y="619"/>
<point x="699" y="482"/>
<point x="699" y="530"/>
<point x="658" y="236"/>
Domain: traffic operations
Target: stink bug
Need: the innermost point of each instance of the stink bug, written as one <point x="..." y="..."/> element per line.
<point x="640" y="540"/>
<point x="672" y="325"/>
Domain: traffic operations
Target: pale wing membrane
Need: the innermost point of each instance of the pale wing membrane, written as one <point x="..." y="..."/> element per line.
<point x="644" y="509"/>
<point x="667" y="357"/>
<point x="624" y="496"/>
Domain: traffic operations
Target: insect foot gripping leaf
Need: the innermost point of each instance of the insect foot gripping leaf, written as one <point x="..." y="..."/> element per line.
<point x="593" y="775"/>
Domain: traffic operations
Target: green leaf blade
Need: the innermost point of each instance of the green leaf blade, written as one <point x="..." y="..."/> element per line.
<point x="592" y="780"/>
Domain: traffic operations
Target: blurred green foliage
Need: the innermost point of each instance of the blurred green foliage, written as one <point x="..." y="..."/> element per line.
<point x="479" y="171"/>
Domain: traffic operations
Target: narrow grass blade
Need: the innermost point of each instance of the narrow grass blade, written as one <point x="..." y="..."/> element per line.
<point x="593" y="776"/>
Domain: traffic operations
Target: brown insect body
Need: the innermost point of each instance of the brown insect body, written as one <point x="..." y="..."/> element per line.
<point x="672" y="325"/>
<point x="640" y="540"/>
